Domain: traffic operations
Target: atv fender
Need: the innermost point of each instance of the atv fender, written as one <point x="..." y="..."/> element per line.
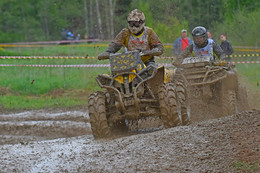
<point x="157" y="80"/>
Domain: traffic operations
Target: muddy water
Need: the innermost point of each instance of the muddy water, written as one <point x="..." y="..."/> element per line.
<point x="40" y="125"/>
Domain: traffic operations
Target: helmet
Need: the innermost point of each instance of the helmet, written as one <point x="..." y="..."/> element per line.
<point x="136" y="21"/>
<point x="199" y="35"/>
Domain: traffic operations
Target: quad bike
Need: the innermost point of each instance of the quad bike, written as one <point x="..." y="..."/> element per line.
<point x="212" y="83"/>
<point x="134" y="91"/>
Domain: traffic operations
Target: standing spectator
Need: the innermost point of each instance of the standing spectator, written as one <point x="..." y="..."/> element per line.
<point x="181" y="43"/>
<point x="226" y="46"/>
<point x="209" y="34"/>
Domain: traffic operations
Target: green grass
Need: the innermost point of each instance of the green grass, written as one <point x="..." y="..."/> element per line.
<point x="244" y="166"/>
<point x="31" y="102"/>
<point x="60" y="50"/>
<point x="251" y="72"/>
<point x="36" y="80"/>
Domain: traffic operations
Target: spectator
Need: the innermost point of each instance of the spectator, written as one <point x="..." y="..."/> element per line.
<point x="70" y="36"/>
<point x="209" y="34"/>
<point x="181" y="43"/>
<point x="226" y="46"/>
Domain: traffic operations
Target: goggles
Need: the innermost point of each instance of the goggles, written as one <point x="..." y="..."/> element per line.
<point x="135" y="23"/>
<point x="198" y="38"/>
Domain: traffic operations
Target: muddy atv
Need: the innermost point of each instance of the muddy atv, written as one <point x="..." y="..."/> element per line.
<point x="134" y="91"/>
<point x="212" y="86"/>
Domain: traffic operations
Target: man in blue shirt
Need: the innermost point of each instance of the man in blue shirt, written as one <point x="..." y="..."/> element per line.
<point x="181" y="43"/>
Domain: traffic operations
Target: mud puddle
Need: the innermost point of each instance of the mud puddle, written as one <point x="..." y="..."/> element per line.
<point x="39" y="125"/>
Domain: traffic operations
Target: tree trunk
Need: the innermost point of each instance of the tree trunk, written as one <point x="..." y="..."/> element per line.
<point x="91" y="16"/>
<point x="108" y="24"/>
<point x="46" y="20"/>
<point x="111" y="5"/>
<point x="101" y="35"/>
<point x="86" y="18"/>
<point x="24" y="22"/>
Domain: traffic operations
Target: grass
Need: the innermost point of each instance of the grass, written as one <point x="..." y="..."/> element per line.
<point x="13" y="102"/>
<point x="36" y="81"/>
<point x="244" y="166"/>
<point x="30" y="87"/>
<point x="251" y="72"/>
<point x="60" y="50"/>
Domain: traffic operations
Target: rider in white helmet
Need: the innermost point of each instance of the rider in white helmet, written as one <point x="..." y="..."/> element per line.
<point x="136" y="37"/>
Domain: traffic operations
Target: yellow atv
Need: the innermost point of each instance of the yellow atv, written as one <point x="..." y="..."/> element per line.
<point x="134" y="91"/>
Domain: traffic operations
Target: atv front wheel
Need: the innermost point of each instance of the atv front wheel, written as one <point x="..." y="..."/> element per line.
<point x="97" y="115"/>
<point x="182" y="102"/>
<point x="168" y="105"/>
<point x="242" y="99"/>
<point x="229" y="102"/>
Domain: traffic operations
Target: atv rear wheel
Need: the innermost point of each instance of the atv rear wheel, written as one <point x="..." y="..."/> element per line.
<point x="168" y="105"/>
<point x="229" y="102"/>
<point x="97" y="115"/>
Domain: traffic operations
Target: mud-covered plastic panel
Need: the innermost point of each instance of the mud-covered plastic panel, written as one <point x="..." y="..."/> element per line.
<point x="124" y="62"/>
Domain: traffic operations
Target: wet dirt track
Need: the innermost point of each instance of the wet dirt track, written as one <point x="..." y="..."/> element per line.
<point x="36" y="141"/>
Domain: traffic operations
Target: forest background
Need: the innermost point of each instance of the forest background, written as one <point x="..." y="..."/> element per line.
<point x="43" y="20"/>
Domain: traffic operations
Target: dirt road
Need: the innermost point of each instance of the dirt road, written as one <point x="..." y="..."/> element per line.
<point x="37" y="141"/>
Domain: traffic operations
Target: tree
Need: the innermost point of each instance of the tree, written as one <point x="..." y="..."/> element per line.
<point x="101" y="35"/>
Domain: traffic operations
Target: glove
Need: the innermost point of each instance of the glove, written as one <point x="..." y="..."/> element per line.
<point x="103" y="56"/>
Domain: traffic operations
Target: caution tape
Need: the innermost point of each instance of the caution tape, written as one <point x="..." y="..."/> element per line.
<point x="102" y="65"/>
<point x="245" y="62"/>
<point x="60" y="44"/>
<point x="46" y="57"/>
<point x="243" y="55"/>
<point x="61" y="66"/>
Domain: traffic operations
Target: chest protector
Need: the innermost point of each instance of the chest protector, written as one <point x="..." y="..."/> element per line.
<point x="205" y="51"/>
<point x="139" y="42"/>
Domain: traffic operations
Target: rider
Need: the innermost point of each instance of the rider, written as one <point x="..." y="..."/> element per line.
<point x="202" y="46"/>
<point x="136" y="37"/>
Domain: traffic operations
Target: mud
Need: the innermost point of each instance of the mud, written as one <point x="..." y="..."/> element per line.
<point x="40" y="141"/>
<point x="29" y="126"/>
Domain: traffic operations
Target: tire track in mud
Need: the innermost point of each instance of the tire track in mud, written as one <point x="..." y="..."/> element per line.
<point x="39" y="125"/>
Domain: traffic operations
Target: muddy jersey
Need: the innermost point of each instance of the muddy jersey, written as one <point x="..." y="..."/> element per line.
<point x="147" y="41"/>
<point x="139" y="42"/>
<point x="205" y="51"/>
